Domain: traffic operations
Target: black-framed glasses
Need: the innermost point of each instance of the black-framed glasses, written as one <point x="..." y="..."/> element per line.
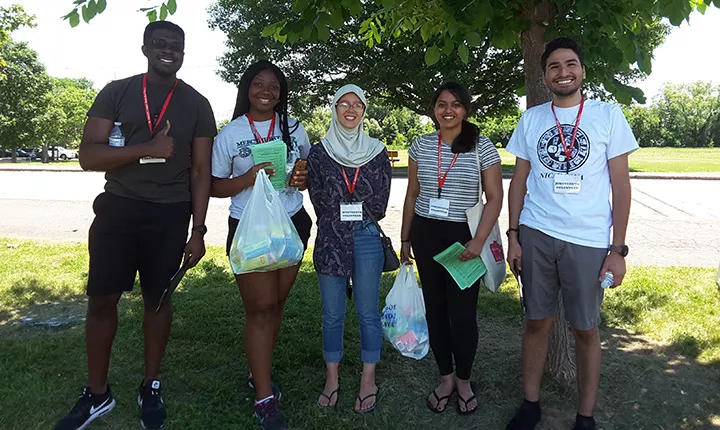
<point x="164" y="44"/>
<point x="343" y="106"/>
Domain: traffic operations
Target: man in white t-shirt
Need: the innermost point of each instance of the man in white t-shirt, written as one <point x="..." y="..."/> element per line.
<point x="560" y="221"/>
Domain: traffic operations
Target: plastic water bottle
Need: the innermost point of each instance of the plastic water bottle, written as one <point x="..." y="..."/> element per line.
<point x="116" y="136"/>
<point x="608" y="281"/>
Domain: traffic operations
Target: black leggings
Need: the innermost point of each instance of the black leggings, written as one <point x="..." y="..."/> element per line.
<point x="451" y="312"/>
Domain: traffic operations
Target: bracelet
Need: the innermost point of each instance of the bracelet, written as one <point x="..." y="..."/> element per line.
<point x="511" y="229"/>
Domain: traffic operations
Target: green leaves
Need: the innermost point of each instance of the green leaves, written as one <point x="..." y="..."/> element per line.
<point x="73" y="18"/>
<point x="89" y="9"/>
<point x="463" y="52"/>
<point x="432" y="55"/>
<point x="473" y="39"/>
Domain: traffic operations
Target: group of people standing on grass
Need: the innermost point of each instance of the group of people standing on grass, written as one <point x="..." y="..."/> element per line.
<point x="571" y="153"/>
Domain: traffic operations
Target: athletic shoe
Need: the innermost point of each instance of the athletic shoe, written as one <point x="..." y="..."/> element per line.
<point x="270" y="416"/>
<point x="584" y="423"/>
<point x="526" y="418"/>
<point x="152" y="408"/>
<point x="88" y="408"/>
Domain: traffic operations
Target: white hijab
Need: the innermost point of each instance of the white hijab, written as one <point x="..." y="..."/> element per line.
<point x="350" y="147"/>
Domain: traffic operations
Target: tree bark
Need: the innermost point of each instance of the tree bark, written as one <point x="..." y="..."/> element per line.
<point x="560" y="363"/>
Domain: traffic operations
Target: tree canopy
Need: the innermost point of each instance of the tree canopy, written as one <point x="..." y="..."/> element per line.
<point x="392" y="71"/>
<point x="23" y="95"/>
<point x="12" y="18"/>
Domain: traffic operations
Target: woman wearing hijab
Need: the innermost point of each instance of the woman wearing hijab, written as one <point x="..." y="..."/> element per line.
<point x="349" y="177"/>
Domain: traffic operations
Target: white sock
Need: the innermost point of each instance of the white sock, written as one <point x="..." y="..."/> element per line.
<point x="257" y="402"/>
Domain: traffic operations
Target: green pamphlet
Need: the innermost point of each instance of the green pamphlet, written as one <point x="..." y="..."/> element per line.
<point x="274" y="152"/>
<point x="465" y="273"/>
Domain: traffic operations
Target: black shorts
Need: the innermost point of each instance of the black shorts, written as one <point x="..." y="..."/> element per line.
<point x="129" y="236"/>
<point x="301" y="220"/>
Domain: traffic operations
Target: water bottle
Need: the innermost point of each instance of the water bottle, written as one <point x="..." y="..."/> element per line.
<point x="116" y="136"/>
<point x="608" y="281"/>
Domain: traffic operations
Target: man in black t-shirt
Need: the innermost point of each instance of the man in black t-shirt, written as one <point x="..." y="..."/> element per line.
<point x="154" y="184"/>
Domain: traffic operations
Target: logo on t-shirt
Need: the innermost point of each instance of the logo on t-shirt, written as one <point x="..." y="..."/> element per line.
<point x="552" y="153"/>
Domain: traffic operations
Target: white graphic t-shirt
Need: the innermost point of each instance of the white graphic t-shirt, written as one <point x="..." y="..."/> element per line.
<point x="583" y="216"/>
<point x="231" y="157"/>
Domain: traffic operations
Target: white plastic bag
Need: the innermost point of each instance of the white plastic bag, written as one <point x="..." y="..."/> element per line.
<point x="403" y="317"/>
<point x="265" y="238"/>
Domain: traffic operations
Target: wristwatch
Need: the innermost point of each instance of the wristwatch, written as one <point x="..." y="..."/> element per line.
<point x="202" y="229"/>
<point x="619" y="249"/>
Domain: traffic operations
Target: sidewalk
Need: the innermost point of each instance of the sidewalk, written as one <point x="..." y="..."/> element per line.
<point x="397" y="173"/>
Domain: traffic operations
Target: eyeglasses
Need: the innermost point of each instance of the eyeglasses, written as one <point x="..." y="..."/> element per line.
<point x="164" y="44"/>
<point x="343" y="106"/>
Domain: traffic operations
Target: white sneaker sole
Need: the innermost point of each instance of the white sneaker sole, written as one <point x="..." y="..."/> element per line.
<point x="104" y="411"/>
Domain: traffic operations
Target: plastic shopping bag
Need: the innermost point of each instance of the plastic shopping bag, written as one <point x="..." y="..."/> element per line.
<point x="403" y="318"/>
<point x="265" y="238"/>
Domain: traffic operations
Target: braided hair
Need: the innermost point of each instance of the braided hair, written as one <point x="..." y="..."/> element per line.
<point x="242" y="104"/>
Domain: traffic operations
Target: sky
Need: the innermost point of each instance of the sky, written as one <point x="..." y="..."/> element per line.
<point x="109" y="47"/>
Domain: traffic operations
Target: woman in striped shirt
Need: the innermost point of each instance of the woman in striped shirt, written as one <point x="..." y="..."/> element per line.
<point x="444" y="181"/>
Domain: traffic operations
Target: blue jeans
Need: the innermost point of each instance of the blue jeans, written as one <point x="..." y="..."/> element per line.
<point x="367" y="268"/>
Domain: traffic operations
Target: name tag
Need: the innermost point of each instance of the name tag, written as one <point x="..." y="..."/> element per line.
<point x="351" y="211"/>
<point x="440" y="207"/>
<point x="567" y="184"/>
<point x="151" y="160"/>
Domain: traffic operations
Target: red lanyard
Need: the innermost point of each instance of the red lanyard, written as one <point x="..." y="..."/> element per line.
<point x="147" y="106"/>
<point x="351" y="189"/>
<point x="442" y="178"/>
<point x="568" y="150"/>
<point x="259" y="138"/>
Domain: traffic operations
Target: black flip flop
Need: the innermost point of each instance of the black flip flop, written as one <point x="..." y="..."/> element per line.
<point x="329" y="398"/>
<point x="362" y="401"/>
<point x="438" y="400"/>
<point x="465" y="403"/>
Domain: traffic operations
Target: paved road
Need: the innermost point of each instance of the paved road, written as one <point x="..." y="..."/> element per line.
<point x="673" y="222"/>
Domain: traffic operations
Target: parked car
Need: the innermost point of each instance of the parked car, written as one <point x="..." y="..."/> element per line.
<point x="64" y="153"/>
<point x="19" y="153"/>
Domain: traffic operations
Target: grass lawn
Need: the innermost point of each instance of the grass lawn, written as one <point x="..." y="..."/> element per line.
<point x="661" y="341"/>
<point x="643" y="160"/>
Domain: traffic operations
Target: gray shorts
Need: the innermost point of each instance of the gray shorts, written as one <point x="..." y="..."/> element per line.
<point x="549" y="264"/>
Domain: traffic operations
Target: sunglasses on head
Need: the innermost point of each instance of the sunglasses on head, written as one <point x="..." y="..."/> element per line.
<point x="164" y="44"/>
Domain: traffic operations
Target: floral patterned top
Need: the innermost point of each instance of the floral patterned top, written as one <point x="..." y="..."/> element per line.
<point x="335" y="242"/>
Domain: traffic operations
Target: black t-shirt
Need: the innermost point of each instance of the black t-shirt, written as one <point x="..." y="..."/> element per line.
<point x="190" y="116"/>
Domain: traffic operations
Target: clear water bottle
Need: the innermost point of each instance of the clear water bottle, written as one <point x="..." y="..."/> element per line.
<point x="116" y="136"/>
<point x="608" y="281"/>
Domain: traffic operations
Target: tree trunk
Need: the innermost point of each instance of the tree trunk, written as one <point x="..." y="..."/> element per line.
<point x="560" y="363"/>
<point x="45" y="152"/>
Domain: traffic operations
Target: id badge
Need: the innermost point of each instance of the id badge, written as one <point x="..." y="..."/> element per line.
<point x="567" y="184"/>
<point x="440" y="207"/>
<point x="151" y="160"/>
<point x="351" y="211"/>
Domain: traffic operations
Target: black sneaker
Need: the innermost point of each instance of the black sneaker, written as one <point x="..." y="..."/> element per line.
<point x="86" y="410"/>
<point x="275" y="390"/>
<point x="584" y="423"/>
<point x="152" y="408"/>
<point x="270" y="416"/>
<point x="526" y="418"/>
